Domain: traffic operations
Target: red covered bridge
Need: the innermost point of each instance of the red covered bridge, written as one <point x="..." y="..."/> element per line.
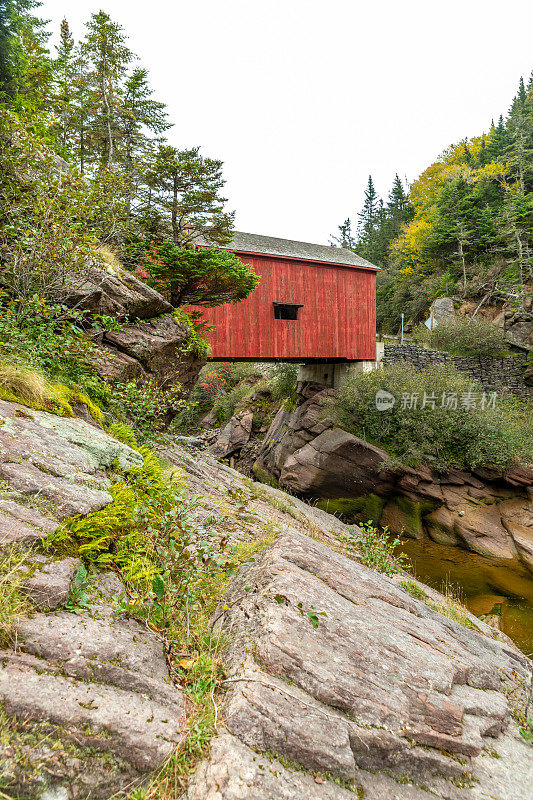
<point x="313" y="304"/>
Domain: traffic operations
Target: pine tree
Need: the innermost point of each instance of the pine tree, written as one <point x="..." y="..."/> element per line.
<point x="24" y="63"/>
<point x="345" y="237"/>
<point x="498" y="141"/>
<point x="186" y="193"/>
<point x="110" y="58"/>
<point x="368" y="222"/>
<point x="140" y="113"/>
<point x="64" y="83"/>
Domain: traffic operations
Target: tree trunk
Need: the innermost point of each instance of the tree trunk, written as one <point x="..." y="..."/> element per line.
<point x="175" y="231"/>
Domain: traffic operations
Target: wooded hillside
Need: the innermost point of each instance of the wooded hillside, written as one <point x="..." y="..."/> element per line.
<point x="463" y="228"/>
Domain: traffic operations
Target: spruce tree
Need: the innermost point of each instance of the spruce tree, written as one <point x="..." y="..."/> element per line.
<point x="24" y="62"/>
<point x="140" y="113"/>
<point x="110" y="57"/>
<point x="64" y="84"/>
<point x="186" y="196"/>
<point x="368" y="222"/>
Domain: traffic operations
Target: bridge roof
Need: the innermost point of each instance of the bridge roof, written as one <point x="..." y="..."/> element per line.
<point x="287" y="248"/>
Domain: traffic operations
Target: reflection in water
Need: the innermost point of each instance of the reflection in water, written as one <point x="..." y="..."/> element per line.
<point x="485" y="585"/>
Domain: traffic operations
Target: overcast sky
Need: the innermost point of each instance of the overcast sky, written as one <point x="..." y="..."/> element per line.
<point x="302" y="99"/>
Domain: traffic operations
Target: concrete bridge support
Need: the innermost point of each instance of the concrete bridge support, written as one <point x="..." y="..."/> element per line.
<point x="335" y="374"/>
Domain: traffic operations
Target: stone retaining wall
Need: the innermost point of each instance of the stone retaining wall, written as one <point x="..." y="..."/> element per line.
<point x="491" y="373"/>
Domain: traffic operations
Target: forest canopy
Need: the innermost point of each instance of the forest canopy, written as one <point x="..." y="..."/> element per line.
<point x="463" y="228"/>
<point x="90" y="104"/>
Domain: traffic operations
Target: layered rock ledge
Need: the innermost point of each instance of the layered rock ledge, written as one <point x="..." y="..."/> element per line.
<point x="345" y="684"/>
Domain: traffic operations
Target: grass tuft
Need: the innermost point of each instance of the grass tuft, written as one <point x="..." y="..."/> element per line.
<point x="13" y="603"/>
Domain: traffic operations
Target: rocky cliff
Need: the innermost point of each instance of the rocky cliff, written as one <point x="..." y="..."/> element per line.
<point x="150" y="343"/>
<point x="337" y="680"/>
<point x="488" y="513"/>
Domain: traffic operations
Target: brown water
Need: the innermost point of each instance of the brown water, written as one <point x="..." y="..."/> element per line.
<point x="485" y="585"/>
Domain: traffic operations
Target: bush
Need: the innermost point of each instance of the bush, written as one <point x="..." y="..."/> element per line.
<point x="148" y="407"/>
<point x="439" y="418"/>
<point x="50" y="222"/>
<point x="376" y="548"/>
<point x="462" y="336"/>
<point x="283" y="381"/>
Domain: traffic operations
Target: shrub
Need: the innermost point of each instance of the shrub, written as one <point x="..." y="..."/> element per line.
<point x="49" y="222"/>
<point x="461" y="429"/>
<point x="376" y="548"/>
<point x="283" y="382"/>
<point x="462" y="336"/>
<point x="149" y="407"/>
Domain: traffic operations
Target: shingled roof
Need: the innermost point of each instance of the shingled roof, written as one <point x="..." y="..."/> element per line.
<point x="255" y="243"/>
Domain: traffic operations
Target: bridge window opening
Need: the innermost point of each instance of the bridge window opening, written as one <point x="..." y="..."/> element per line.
<point x="286" y="310"/>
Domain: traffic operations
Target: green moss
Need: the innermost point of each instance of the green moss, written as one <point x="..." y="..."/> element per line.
<point x="57" y="399"/>
<point x="405" y="515"/>
<point x="263" y="476"/>
<point x="368" y="507"/>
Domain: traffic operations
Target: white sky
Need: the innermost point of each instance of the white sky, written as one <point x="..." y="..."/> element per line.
<point x="303" y="99"/>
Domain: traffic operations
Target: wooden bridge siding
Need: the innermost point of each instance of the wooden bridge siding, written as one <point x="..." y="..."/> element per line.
<point x="337" y="320"/>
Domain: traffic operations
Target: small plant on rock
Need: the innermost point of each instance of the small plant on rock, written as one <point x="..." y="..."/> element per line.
<point x="377" y="548"/>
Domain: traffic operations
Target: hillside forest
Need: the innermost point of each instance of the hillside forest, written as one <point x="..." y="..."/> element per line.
<point x="464" y="228"/>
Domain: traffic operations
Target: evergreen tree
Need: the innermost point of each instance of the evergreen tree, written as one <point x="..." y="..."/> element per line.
<point x="186" y="196"/>
<point x="110" y="57"/>
<point x="141" y="113"/>
<point x="498" y="141"/>
<point x="368" y="225"/>
<point x="24" y="62"/>
<point x="64" y="74"/>
<point x="345" y="237"/>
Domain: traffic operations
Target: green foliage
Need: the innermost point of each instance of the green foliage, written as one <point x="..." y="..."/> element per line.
<point x="123" y="433"/>
<point x="226" y="405"/>
<point x="462" y="336"/>
<point x="282" y="382"/>
<point x="45" y="357"/>
<point x="200" y="276"/>
<point x="466" y="226"/>
<point x="149" y="406"/>
<point x="413" y="588"/>
<point x="443" y="436"/>
<point x="24" y="65"/>
<point x="185" y="192"/>
<point x="377" y="548"/>
<point x="196" y="345"/>
<point x="78" y="600"/>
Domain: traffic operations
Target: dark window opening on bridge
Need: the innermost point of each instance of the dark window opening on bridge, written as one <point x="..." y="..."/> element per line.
<point x="286" y="310"/>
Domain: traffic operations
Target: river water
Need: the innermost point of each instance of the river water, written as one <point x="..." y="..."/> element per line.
<point x="484" y="585"/>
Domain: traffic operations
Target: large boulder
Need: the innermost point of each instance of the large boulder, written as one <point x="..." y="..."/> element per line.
<point x="89" y="702"/>
<point x="234" y="435"/>
<point x="55" y="461"/>
<point x="338" y="678"/>
<point x="156" y="348"/>
<point x="116" y="292"/>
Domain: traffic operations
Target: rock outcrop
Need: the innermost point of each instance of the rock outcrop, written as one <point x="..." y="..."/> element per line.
<point x="518" y="327"/>
<point x="88" y="705"/>
<point x="335" y="673"/>
<point x="150" y="343"/>
<point x="485" y="512"/>
<point x="338" y="681"/>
